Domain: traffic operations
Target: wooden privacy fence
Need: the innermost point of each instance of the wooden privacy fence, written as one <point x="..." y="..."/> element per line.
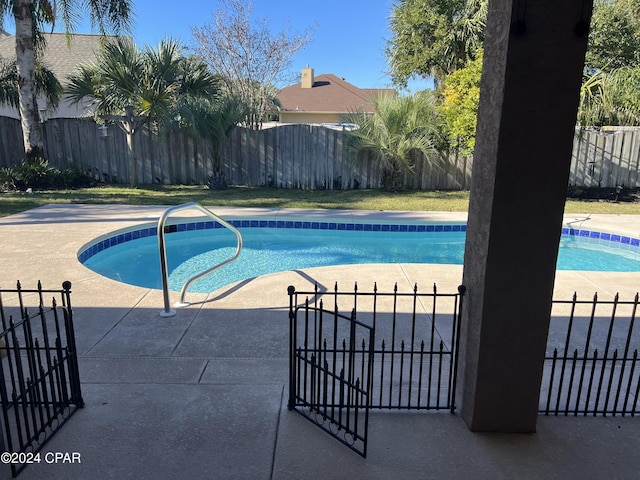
<point x="287" y="156"/>
<point x="608" y="157"/>
<point x="293" y="156"/>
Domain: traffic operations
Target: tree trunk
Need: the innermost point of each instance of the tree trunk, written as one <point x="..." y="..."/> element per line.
<point x="133" y="161"/>
<point x="26" y="67"/>
<point x="130" y="128"/>
<point x="392" y="177"/>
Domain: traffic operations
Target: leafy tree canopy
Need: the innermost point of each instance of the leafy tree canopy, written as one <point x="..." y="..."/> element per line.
<point x="156" y="82"/>
<point x="461" y="95"/>
<point x="432" y="38"/>
<point x="614" y="38"/>
<point x="437" y="38"/>
<point x="162" y="86"/>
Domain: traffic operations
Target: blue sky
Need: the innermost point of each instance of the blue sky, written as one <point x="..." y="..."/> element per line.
<point x="349" y="41"/>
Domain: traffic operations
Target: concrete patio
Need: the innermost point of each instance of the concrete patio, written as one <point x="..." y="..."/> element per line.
<point x="202" y="395"/>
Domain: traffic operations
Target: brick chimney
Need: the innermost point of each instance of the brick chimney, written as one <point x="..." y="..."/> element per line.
<point x="307" y="77"/>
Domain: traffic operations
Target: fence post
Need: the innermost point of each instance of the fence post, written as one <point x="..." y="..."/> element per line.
<point x="461" y="291"/>
<point x="292" y="345"/>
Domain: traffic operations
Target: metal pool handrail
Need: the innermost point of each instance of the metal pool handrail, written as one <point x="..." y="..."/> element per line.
<point x="168" y="312"/>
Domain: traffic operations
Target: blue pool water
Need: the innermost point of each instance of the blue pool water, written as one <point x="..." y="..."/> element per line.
<point x="132" y="257"/>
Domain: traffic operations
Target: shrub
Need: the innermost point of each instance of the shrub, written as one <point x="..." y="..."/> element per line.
<point x="40" y="175"/>
<point x="72" y="177"/>
<point x="35" y="174"/>
<point x="7" y="179"/>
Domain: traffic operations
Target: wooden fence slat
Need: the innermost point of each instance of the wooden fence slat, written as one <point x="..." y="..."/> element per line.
<point x="634" y="162"/>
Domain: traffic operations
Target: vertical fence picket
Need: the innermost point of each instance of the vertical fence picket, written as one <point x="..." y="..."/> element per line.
<point x="630" y="383"/>
<point x="625" y="353"/>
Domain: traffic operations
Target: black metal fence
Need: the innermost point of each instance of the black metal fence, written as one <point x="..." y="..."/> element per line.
<point x="39" y="379"/>
<point x="591" y="365"/>
<point x="393" y="351"/>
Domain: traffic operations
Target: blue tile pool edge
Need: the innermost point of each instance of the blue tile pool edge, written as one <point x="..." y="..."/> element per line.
<point x="133" y="233"/>
<point x="116" y="238"/>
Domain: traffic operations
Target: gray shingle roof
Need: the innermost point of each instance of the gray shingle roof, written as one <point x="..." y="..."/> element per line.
<point x="61" y="56"/>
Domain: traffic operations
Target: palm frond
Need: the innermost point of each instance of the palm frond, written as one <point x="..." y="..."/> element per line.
<point x="611" y="98"/>
<point x="399" y="126"/>
<point x="8" y="84"/>
<point x="160" y="83"/>
<point x="46" y="84"/>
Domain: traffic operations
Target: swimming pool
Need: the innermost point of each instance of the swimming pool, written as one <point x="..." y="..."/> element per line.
<point x="131" y="256"/>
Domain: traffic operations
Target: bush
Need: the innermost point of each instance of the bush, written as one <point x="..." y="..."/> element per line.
<point x="7" y="179"/>
<point x="40" y="175"/>
<point x="604" y="194"/>
<point x="37" y="175"/>
<point x="73" y="177"/>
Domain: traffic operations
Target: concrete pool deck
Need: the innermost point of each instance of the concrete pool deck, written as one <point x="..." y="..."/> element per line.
<point x="202" y="395"/>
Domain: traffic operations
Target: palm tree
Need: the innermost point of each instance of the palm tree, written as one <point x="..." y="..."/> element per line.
<point x="213" y="119"/>
<point x="611" y="98"/>
<point x="46" y="84"/>
<point x="467" y="34"/>
<point x="161" y="87"/>
<point x="398" y="126"/>
<point x="30" y="18"/>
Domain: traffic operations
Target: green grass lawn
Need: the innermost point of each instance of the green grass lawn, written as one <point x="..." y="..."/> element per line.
<point x="11" y="203"/>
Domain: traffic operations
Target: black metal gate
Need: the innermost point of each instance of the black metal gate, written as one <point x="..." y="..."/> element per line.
<point x="331" y="364"/>
<point x="39" y="380"/>
<point x="400" y="353"/>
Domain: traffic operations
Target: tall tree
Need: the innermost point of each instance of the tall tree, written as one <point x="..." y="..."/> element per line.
<point x="131" y="86"/>
<point x="432" y="38"/>
<point x="31" y="17"/>
<point x="47" y="85"/>
<point x="614" y="37"/>
<point x="250" y="59"/>
<point x="399" y="126"/>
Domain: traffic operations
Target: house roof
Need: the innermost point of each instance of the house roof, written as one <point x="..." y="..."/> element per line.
<point x="329" y="93"/>
<point x="61" y="57"/>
